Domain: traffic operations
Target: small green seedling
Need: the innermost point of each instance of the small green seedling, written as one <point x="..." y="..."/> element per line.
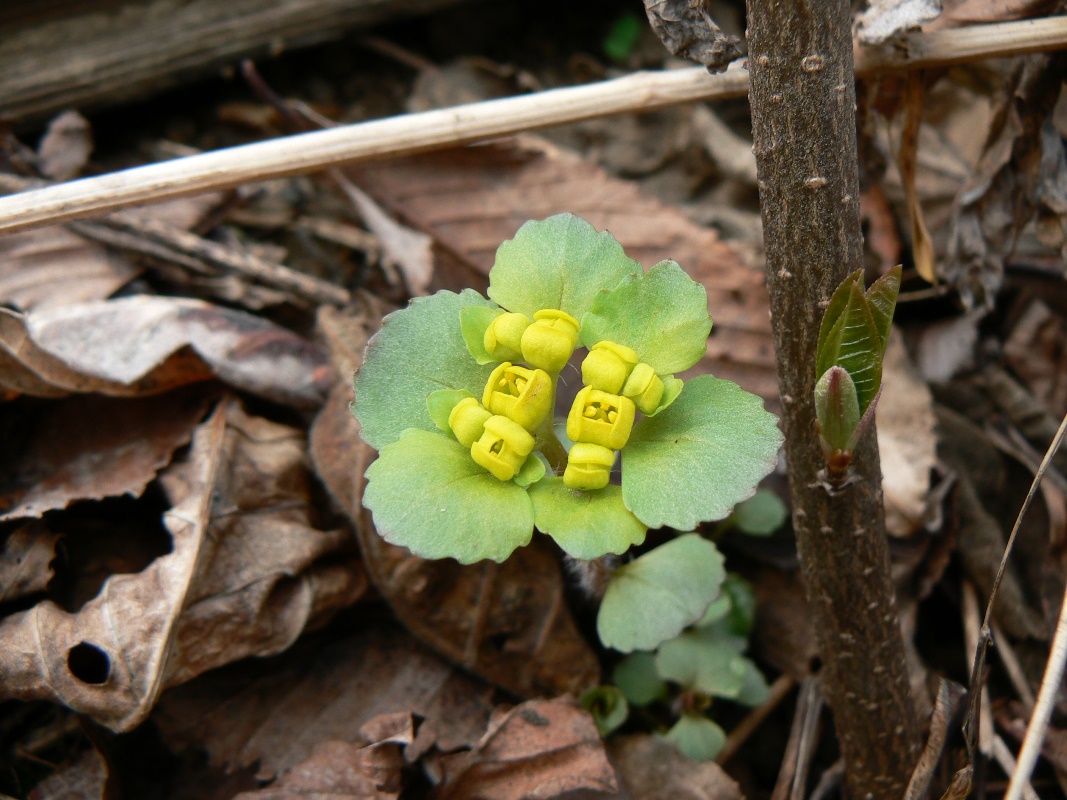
<point x="852" y="342"/>
<point x="458" y="395"/>
<point x="686" y="673"/>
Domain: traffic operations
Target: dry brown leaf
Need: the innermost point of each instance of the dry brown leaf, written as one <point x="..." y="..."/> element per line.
<point x="472" y="199"/>
<point x="25" y="560"/>
<point x="88" y="448"/>
<point x="332" y="772"/>
<point x="688" y="31"/>
<point x="907" y="441"/>
<point x="52" y="266"/>
<point x="654" y="769"/>
<point x="85" y="779"/>
<point x="1008" y="185"/>
<point x="885" y="19"/>
<point x="145" y="345"/>
<point x="1036" y="351"/>
<point x="326" y="688"/>
<point x="506" y="622"/>
<point x="65" y="147"/>
<point x="106" y="660"/>
<point x="541" y="749"/>
<point x="266" y="574"/>
<point x="922" y="246"/>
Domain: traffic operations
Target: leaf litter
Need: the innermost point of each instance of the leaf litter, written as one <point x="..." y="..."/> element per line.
<point x="260" y="499"/>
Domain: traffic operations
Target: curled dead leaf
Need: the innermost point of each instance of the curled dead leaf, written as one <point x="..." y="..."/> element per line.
<point x="25" y="560"/>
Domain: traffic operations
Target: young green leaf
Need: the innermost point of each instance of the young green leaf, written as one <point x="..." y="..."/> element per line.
<point x="473" y="322"/>
<point x="697" y="736"/>
<point x="703" y="661"/>
<point x="652" y="598"/>
<point x="760" y="515"/>
<point x="755" y="691"/>
<point x="742" y="604"/>
<point x="882" y="299"/>
<point x="419" y="350"/>
<point x="428" y="495"/>
<point x="608" y="706"/>
<point x="559" y="263"/>
<point x="837" y="408"/>
<point x="533" y="469"/>
<point x="585" y="524"/>
<point x="662" y="314"/>
<point x="636" y="675"/>
<point x="697" y="459"/>
<point x="834" y="311"/>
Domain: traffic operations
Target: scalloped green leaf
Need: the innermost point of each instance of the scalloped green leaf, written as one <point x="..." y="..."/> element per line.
<point x="586" y="525"/>
<point x="754" y="691"/>
<point x="561" y="262"/>
<point x="703" y="662"/>
<point x="607" y="705"/>
<point x="652" y="598"/>
<point x="427" y="494"/>
<point x="636" y="675"/>
<point x="662" y="314"/>
<point x="697" y="736"/>
<point x="441" y="403"/>
<point x="700" y="457"/>
<point x="760" y="515"/>
<point x="473" y="323"/>
<point x="419" y="350"/>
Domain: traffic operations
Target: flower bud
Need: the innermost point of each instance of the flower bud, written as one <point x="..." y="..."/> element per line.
<point x="608" y="366"/>
<point x="645" y="388"/>
<point x="601" y="418"/>
<point x="467" y="421"/>
<point x="502" y="448"/>
<point x="837" y="409"/>
<point x="524" y="395"/>
<point x="550" y="340"/>
<point x="588" y="466"/>
<point x="503" y="337"/>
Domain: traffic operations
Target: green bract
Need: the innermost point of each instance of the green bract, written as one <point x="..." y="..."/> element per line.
<point x="458" y="394"/>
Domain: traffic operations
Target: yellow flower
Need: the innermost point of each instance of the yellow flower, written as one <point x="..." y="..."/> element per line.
<point x="503" y="447"/>
<point x="524" y="395"/>
<point x="550" y="340"/>
<point x="588" y="466"/>
<point x="601" y="418"/>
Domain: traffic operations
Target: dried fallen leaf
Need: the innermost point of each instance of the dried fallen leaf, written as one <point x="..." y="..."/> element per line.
<point x="332" y="772"/>
<point x="654" y="769"/>
<point x="266" y="574"/>
<point x="86" y="660"/>
<point x="25" y="560"/>
<point x="907" y="442"/>
<point x="506" y="622"/>
<point x="76" y="437"/>
<point x="65" y="147"/>
<point x="145" y="345"/>
<point x="540" y="749"/>
<point x="922" y="246"/>
<point x="885" y="19"/>
<point x="470" y="200"/>
<point x="688" y="31"/>
<point x="326" y="688"/>
<point x="1036" y="351"/>
<point x="85" y="779"/>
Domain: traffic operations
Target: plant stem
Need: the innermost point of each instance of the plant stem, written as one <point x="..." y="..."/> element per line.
<point x="547" y="441"/>
<point x="804" y="125"/>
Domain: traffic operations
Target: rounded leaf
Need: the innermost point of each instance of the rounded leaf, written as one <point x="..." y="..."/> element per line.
<point x="762" y="514"/>
<point x="607" y="705"/>
<point x="652" y="598"/>
<point x="636" y="675"/>
<point x="428" y="495"/>
<point x="419" y="350"/>
<point x="560" y="263"/>
<point x="708" y="664"/>
<point x="662" y="314"/>
<point x="473" y="323"/>
<point x="697" y="736"/>
<point x="697" y="459"/>
<point x="586" y="524"/>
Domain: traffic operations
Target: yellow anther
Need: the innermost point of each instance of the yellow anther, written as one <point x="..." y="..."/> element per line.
<point x="503" y="337"/>
<point x="607" y="366"/>
<point x="588" y="466"/>
<point x="645" y="388"/>
<point x="550" y="340"/>
<point x="467" y="421"/>
<point x="601" y="418"/>
<point x="502" y="448"/>
<point x="524" y="395"/>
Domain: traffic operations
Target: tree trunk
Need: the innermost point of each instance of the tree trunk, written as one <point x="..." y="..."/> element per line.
<point x="804" y="128"/>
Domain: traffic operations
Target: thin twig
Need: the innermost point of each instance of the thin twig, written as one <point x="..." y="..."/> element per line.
<point x="1050" y="684"/>
<point x="413" y="133"/>
<point x="1014" y="668"/>
<point x="746" y="727"/>
<point x="1007" y="763"/>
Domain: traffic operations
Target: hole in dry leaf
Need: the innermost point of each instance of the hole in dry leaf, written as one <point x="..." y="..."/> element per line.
<point x="89" y="664"/>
